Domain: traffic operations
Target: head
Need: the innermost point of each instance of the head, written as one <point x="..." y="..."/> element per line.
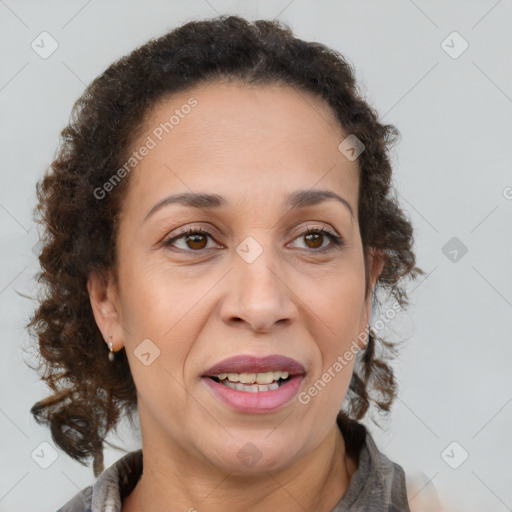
<point x="284" y="256"/>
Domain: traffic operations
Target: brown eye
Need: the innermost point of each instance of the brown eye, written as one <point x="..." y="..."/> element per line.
<point x="315" y="237"/>
<point x="196" y="241"/>
<point x="193" y="240"/>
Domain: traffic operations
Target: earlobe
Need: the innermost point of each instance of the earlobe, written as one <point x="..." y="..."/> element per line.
<point x="103" y="296"/>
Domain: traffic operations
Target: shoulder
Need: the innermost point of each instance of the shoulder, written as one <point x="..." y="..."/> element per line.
<point x="378" y="483"/>
<point x="111" y="486"/>
<point x="81" y="502"/>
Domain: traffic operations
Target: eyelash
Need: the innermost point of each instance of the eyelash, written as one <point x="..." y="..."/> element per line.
<point x="336" y="241"/>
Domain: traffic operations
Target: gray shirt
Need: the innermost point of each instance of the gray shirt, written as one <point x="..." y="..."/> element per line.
<point x="377" y="485"/>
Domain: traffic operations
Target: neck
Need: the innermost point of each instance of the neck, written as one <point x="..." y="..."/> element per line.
<point x="178" y="482"/>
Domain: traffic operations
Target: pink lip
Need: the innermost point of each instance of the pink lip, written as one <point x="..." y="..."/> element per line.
<point x="261" y="402"/>
<point x="250" y="364"/>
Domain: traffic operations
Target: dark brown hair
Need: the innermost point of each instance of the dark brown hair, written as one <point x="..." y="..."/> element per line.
<point x="88" y="391"/>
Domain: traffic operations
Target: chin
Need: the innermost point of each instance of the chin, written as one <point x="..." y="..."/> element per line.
<point x="253" y="455"/>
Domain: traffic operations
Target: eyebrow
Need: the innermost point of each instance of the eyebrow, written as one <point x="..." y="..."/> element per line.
<point x="295" y="200"/>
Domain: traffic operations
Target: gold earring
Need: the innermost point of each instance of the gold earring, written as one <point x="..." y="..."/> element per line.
<point x="111" y="353"/>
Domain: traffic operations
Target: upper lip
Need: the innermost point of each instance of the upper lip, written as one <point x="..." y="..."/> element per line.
<point x="250" y="364"/>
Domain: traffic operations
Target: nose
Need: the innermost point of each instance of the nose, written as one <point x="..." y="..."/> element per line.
<point x="259" y="295"/>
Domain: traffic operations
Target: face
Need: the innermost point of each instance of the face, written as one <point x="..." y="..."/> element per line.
<point x="247" y="274"/>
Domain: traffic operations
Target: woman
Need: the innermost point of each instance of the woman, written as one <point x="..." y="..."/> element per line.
<point x="219" y="219"/>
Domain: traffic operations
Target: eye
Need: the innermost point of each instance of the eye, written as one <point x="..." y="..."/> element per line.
<point x="315" y="237"/>
<point x="193" y="238"/>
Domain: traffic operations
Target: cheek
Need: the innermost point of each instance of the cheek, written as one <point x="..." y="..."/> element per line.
<point x="161" y="305"/>
<point x="336" y="302"/>
<point x="336" y="306"/>
<point x="154" y="297"/>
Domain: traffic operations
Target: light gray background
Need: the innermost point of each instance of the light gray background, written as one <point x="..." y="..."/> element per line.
<point x="452" y="171"/>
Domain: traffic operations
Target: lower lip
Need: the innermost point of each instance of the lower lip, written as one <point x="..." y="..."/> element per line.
<point x="264" y="401"/>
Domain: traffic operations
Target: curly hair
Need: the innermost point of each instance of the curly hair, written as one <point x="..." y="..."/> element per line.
<point x="79" y="230"/>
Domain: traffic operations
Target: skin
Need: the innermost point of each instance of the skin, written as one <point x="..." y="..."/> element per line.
<point x="253" y="145"/>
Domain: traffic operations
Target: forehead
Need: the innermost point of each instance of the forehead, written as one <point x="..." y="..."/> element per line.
<point x="240" y="140"/>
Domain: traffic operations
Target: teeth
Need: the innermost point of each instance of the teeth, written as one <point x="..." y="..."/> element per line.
<point x="251" y="378"/>
<point x="247" y="378"/>
<point x="255" y="388"/>
<point x="265" y="378"/>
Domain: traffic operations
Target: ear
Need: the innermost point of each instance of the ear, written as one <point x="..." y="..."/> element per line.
<point x="104" y="302"/>
<point x="375" y="266"/>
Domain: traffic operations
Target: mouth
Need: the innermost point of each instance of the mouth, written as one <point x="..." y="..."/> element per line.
<point x="254" y="382"/>
<point x="255" y="385"/>
<point x="249" y="365"/>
